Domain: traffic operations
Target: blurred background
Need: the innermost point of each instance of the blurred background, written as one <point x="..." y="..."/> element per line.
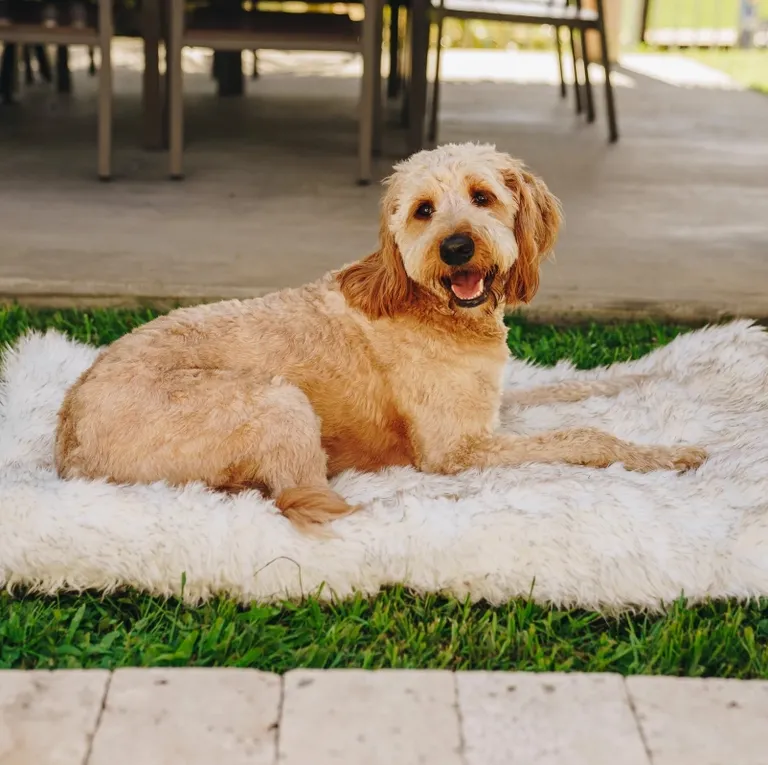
<point x="243" y="143"/>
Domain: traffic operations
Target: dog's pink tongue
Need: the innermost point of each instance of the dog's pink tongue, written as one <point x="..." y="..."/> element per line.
<point x="467" y="285"/>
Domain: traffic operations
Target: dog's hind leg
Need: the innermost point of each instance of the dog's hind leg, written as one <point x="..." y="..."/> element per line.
<point x="218" y="427"/>
<point x="569" y="391"/>
<point x="281" y="451"/>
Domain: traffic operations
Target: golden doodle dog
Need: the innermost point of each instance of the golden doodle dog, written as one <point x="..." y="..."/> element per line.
<point x="394" y="360"/>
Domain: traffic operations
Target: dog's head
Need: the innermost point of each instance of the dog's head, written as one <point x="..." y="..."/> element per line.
<point x="464" y="224"/>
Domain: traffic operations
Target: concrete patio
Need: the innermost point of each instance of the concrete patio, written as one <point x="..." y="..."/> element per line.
<point x="354" y="717"/>
<point x="669" y="222"/>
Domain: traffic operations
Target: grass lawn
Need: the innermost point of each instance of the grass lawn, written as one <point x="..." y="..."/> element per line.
<point x="747" y="67"/>
<point x="698" y="14"/>
<point x="395" y="629"/>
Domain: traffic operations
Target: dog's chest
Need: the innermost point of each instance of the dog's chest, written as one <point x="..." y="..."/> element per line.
<point x="448" y="380"/>
<point x="398" y="392"/>
<point x="368" y="433"/>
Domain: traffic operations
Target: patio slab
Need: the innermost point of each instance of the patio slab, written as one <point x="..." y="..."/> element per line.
<point x="692" y="722"/>
<point x="670" y="222"/>
<point x="183" y="716"/>
<point x="547" y="719"/>
<point x="189" y="716"/>
<point x="334" y="717"/>
<point x="49" y="718"/>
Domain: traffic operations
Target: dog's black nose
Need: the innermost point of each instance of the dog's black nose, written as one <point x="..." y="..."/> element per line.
<point x="457" y="249"/>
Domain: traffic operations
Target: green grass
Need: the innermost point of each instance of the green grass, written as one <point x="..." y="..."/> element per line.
<point x="698" y="14"/>
<point x="747" y="67"/>
<point x="395" y="629"/>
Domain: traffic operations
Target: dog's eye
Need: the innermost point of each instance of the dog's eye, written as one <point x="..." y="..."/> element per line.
<point x="480" y="198"/>
<point x="424" y="211"/>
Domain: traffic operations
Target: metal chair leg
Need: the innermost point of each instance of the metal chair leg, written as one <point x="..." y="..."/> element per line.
<point x="44" y="63"/>
<point x="106" y="31"/>
<point x="559" y="52"/>
<point x="435" y="105"/>
<point x="644" y="19"/>
<point x="587" y="84"/>
<point x="576" y="83"/>
<point x="610" y="106"/>
<point x="585" y="65"/>
<point x="29" y="77"/>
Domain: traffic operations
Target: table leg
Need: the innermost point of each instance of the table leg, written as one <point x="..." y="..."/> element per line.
<point x="405" y="70"/>
<point x="175" y="90"/>
<point x="367" y="113"/>
<point x="63" y="76"/>
<point x="229" y="70"/>
<point x="378" y="107"/>
<point x="8" y="66"/>
<point x="106" y="32"/>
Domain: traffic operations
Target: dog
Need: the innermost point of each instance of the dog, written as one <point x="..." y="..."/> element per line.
<point x="394" y="360"/>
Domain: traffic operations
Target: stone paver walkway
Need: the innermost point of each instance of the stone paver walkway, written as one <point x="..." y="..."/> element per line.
<point x="354" y="717"/>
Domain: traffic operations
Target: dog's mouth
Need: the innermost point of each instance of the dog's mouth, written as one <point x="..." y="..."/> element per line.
<point x="469" y="288"/>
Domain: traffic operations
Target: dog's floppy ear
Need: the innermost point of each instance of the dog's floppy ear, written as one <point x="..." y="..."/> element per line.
<point x="378" y="285"/>
<point x="537" y="224"/>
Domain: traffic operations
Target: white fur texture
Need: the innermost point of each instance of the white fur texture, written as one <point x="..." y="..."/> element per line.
<point x="568" y="535"/>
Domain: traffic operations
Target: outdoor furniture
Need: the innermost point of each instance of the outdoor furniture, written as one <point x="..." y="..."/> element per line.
<point x="393" y="78"/>
<point x="94" y="29"/>
<point x="500" y="6"/>
<point x="41" y="54"/>
<point x="571" y="16"/>
<point x="279" y="31"/>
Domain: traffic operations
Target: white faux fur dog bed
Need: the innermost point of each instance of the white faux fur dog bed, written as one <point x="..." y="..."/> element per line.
<point x="568" y="535"/>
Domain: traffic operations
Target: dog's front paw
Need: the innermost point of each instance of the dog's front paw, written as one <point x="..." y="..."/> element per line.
<point x="688" y="457"/>
<point x="680" y="458"/>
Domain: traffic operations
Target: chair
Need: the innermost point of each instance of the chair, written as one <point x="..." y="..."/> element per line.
<point x="280" y="31"/>
<point x="572" y="16"/>
<point x="95" y="29"/>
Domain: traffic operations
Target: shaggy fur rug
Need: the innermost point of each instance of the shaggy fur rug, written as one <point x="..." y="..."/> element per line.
<point x="566" y="535"/>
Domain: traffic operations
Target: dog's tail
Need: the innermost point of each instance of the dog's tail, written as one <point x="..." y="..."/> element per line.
<point x="308" y="506"/>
